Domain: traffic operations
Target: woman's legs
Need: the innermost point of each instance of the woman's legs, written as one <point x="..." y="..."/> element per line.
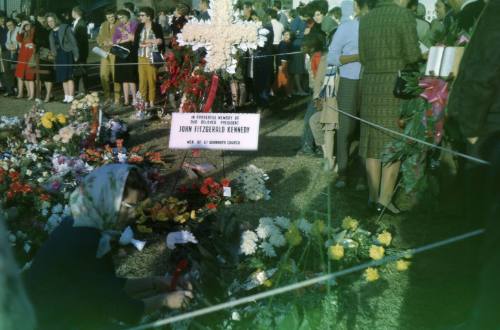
<point x="133" y="90"/>
<point x="151" y="76"/>
<point x="373" y="167"/>
<point x="31" y="89"/>
<point x="389" y="177"/>
<point x="65" y="88"/>
<point x="328" y="150"/>
<point x="143" y="84"/>
<point x="20" y="88"/>
<point x="48" y="89"/>
<point x="126" y="93"/>
<point x="71" y="88"/>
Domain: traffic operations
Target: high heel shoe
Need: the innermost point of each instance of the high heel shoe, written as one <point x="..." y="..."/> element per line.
<point x="386" y="210"/>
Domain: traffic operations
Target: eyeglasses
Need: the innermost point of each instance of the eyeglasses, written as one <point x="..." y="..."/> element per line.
<point x="142" y="15"/>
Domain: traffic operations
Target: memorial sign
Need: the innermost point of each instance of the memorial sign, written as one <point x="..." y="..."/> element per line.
<point x="215" y="131"/>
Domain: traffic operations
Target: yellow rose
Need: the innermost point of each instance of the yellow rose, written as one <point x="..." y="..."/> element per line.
<point x="47" y="123"/>
<point x="336" y="252"/>
<point x="402" y="265"/>
<point x="376" y="252"/>
<point x="268" y="283"/>
<point x="350" y="224"/>
<point x="371" y="274"/>
<point x="385" y="238"/>
<point x="61" y="119"/>
<point x="182" y="218"/>
<point x="49" y="116"/>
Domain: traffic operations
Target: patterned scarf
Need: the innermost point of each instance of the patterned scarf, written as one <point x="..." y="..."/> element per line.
<point x="96" y="203"/>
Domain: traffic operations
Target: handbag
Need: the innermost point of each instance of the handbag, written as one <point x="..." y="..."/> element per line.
<point x="120" y="51"/>
<point x="44" y="55"/>
<point x="401" y="86"/>
<point x="157" y="59"/>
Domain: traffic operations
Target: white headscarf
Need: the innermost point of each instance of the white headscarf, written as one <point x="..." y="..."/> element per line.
<point x="96" y="203"/>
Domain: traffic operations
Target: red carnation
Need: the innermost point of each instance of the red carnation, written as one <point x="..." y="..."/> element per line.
<point x="208" y="181"/>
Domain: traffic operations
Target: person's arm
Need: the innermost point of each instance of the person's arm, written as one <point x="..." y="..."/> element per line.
<point x="74" y="44"/>
<point x="477" y="84"/>
<point x="346" y="59"/>
<point x="100" y="37"/>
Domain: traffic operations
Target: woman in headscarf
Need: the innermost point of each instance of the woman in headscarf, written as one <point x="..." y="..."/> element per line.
<point x="72" y="281"/>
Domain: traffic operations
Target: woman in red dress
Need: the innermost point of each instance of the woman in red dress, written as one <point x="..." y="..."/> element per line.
<point x="25" y="68"/>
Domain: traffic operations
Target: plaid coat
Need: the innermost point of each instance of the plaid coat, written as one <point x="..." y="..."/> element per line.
<point x="387" y="43"/>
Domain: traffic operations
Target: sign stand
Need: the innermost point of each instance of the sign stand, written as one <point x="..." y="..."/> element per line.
<point x="191" y="158"/>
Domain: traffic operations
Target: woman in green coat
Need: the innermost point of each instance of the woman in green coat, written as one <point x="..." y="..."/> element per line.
<point x="387" y="43"/>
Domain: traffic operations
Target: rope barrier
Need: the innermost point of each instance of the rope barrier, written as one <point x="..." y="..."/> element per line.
<point x="274" y="55"/>
<point x="310" y="282"/>
<point x="130" y="64"/>
<point x="435" y="146"/>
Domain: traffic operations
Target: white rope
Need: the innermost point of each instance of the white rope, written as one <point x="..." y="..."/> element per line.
<point x="435" y="146"/>
<point x="127" y="64"/>
<point x="307" y="283"/>
<point x="83" y="64"/>
<point x="279" y="54"/>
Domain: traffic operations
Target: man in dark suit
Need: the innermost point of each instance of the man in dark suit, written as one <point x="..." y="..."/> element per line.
<point x="475" y="101"/>
<point x="468" y="12"/>
<point x="475" y="104"/>
<point x="82" y="40"/>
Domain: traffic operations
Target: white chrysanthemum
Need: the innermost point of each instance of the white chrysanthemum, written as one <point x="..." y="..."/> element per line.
<point x="282" y="222"/>
<point x="248" y="242"/>
<point x="268" y="249"/>
<point x="304" y="226"/>
<point x="277" y="239"/>
<point x="249" y="235"/>
<point x="263" y="231"/>
<point x="248" y="247"/>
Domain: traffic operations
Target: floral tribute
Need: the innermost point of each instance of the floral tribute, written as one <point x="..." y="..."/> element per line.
<point x="220" y="36"/>
<point x="425" y="118"/>
<point x="46" y="155"/>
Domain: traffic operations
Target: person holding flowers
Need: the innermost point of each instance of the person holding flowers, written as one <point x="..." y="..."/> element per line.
<point x="72" y="280"/>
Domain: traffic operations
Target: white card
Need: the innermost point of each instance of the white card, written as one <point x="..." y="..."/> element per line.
<point x="227" y="191"/>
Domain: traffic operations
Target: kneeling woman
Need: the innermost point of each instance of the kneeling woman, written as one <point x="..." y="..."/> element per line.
<point x="72" y="281"/>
